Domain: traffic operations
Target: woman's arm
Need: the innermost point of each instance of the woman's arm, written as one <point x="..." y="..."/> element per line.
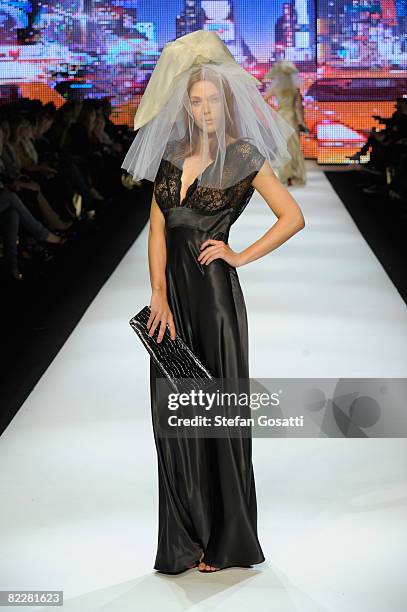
<point x="299" y="108"/>
<point x="268" y="93"/>
<point x="157" y="261"/>
<point x="290" y="221"/>
<point x="290" y="217"/>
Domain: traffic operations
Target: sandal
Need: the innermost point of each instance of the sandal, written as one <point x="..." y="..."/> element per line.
<point x="208" y="571"/>
<point x="197" y="562"/>
<point x="217" y="569"/>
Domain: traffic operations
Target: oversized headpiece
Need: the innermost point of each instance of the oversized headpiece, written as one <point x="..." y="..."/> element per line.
<point x="197" y="102"/>
<point x="284" y="75"/>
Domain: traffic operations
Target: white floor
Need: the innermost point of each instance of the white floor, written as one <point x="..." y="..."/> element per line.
<point x="78" y="475"/>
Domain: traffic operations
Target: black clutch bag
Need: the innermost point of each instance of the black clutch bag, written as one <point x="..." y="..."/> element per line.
<point x="175" y="360"/>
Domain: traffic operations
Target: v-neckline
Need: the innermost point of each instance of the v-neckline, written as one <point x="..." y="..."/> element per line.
<point x="181" y="170"/>
<point x="181" y="202"/>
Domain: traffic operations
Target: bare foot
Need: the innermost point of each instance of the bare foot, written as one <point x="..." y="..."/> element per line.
<point x="197" y="562"/>
<point x="205" y="567"/>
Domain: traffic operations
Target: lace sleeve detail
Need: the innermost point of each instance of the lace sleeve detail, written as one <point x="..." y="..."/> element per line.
<point x="156" y="188"/>
<point x="249" y="156"/>
<point x="244" y="160"/>
<point x="165" y="185"/>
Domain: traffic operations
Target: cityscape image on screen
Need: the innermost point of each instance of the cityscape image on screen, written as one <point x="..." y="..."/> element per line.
<point x="351" y="54"/>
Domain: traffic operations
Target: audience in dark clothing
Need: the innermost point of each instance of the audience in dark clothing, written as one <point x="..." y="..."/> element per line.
<point x="387" y="149"/>
<point x="58" y="168"/>
<point x="62" y="167"/>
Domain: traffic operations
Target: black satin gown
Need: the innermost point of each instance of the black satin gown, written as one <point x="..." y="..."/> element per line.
<point x="207" y="496"/>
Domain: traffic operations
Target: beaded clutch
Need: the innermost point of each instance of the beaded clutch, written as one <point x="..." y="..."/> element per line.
<point x="175" y="360"/>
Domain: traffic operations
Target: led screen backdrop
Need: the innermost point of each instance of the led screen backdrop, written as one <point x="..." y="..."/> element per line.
<point x="352" y="54"/>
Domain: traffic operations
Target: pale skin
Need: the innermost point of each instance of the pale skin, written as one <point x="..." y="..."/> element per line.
<point x="205" y="105"/>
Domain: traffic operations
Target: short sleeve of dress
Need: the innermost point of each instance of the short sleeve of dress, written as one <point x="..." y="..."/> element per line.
<point x="248" y="156"/>
<point x="247" y="161"/>
<point x="159" y="187"/>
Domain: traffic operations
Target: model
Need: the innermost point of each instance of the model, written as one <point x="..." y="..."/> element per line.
<point x="207" y="139"/>
<point x="285" y="87"/>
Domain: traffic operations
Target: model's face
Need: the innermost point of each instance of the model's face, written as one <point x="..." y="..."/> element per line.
<point x="206" y="105"/>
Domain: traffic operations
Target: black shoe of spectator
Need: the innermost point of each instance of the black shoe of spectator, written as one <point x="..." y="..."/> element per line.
<point x="394" y="195"/>
<point x="371" y="170"/>
<point x="374" y="189"/>
<point x="355" y="157"/>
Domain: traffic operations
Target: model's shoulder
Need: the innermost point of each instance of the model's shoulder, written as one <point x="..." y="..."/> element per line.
<point x="248" y="153"/>
<point x="244" y="145"/>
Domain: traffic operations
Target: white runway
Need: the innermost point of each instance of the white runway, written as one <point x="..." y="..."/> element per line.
<point x="79" y="508"/>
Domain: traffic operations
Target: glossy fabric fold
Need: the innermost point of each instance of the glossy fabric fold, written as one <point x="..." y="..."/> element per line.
<point x="207" y="497"/>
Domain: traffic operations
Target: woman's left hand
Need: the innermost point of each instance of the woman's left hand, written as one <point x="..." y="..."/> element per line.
<point x="217" y="249"/>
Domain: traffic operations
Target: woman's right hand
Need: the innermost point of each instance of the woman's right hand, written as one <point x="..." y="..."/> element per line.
<point x="31" y="185"/>
<point x="160" y="315"/>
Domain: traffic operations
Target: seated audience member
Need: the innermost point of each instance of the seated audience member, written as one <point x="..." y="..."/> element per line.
<point x="12" y="213"/>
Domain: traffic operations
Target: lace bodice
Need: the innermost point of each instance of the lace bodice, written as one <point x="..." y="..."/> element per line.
<point x="167" y="186"/>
